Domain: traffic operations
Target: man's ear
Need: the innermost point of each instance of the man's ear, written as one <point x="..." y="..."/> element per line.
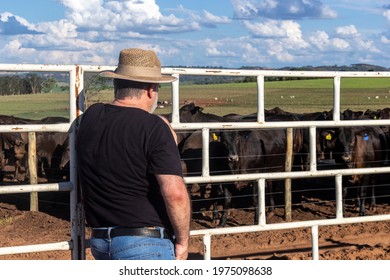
<point x="150" y="90"/>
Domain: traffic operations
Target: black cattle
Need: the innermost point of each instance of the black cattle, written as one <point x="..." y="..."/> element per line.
<point x="190" y="148"/>
<point x="326" y="141"/>
<point x="13" y="147"/>
<point x="384" y="114"/>
<point x="351" y="115"/>
<point x="192" y="113"/>
<point x="50" y="149"/>
<point x="260" y="151"/>
<point x="361" y="147"/>
<point x="12" y="151"/>
<point x="191" y="155"/>
<point x="372" y="114"/>
<point x="65" y="155"/>
<point x="276" y="111"/>
<point x="21" y="146"/>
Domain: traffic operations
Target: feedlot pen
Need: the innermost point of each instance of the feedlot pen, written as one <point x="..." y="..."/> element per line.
<point x="77" y="244"/>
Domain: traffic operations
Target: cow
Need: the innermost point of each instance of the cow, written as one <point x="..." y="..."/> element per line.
<point x="50" y="149"/>
<point x="12" y="149"/>
<point x="13" y="146"/>
<point x="351" y="115"/>
<point x="326" y="141"/>
<point x="192" y="113"/>
<point x="20" y="142"/>
<point x="384" y="114"/>
<point x="259" y="151"/>
<point x="362" y="147"/>
<point x="191" y="155"/>
<point x="65" y="155"/>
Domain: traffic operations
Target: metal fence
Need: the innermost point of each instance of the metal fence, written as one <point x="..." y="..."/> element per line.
<point x="76" y="85"/>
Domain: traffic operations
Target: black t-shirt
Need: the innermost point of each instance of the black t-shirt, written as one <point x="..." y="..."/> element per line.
<point x="119" y="149"/>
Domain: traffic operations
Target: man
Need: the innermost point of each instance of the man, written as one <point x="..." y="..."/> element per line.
<point x="129" y="167"/>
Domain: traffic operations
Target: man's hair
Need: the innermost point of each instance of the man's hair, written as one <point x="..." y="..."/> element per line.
<point x="127" y="88"/>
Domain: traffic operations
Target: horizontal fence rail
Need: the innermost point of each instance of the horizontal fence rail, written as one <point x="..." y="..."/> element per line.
<point x="76" y="85"/>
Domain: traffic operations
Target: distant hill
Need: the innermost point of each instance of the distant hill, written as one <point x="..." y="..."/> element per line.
<point x="231" y="79"/>
<point x="352" y="67"/>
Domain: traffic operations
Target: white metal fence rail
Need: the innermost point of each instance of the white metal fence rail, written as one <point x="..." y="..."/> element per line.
<point x="77" y="245"/>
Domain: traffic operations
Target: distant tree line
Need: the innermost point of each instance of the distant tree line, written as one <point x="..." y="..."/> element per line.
<point x="32" y="83"/>
<point x="28" y="84"/>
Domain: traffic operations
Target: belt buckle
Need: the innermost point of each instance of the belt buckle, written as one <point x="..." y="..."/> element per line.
<point x="161" y="230"/>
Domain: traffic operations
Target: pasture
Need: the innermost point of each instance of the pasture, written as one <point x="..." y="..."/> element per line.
<point x="297" y="96"/>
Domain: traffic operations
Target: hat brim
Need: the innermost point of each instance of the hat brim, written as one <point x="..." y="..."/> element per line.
<point x="153" y="80"/>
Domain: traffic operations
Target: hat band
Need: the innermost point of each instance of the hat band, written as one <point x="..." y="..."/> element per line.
<point x="138" y="71"/>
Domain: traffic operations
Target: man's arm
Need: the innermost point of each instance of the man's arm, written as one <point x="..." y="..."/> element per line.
<point x="178" y="206"/>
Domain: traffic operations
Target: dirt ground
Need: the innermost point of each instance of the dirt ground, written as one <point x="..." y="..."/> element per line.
<point x="368" y="241"/>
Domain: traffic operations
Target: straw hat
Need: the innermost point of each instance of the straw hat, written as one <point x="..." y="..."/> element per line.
<point x="140" y="66"/>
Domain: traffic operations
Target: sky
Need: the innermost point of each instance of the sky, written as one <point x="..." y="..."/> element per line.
<point x="215" y="33"/>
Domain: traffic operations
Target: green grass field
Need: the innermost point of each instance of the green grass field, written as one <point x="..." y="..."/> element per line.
<point x="295" y="96"/>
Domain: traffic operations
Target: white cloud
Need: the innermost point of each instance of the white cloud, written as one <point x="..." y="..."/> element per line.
<point x="59" y="29"/>
<point x="280" y="53"/>
<point x="386" y="13"/>
<point x="13" y="25"/>
<point x="217" y="48"/>
<point x="213" y="19"/>
<point x="345" y="39"/>
<point x="288" y="31"/>
<point x="281" y="9"/>
<point x="385" y="40"/>
<point x="347" y="31"/>
<point x="124" y="16"/>
<point x="323" y="42"/>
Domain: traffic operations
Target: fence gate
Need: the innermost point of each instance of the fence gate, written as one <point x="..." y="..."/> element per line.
<point x="75" y="244"/>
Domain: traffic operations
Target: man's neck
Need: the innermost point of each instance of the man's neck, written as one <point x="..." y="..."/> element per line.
<point x="130" y="103"/>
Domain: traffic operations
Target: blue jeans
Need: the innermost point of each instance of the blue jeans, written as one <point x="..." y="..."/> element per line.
<point x="132" y="248"/>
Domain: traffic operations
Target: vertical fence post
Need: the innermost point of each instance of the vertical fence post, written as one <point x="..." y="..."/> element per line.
<point x="260" y="99"/>
<point x="32" y="166"/>
<point x="77" y="95"/>
<point x="287" y="168"/>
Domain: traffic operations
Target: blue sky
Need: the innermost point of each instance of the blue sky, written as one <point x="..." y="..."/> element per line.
<point x="226" y="33"/>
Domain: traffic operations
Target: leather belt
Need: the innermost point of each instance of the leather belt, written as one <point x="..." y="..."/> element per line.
<point x="125" y="231"/>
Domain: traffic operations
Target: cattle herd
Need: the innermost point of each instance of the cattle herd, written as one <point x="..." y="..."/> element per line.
<point x="264" y="150"/>
<point x="52" y="151"/>
<point x="231" y="152"/>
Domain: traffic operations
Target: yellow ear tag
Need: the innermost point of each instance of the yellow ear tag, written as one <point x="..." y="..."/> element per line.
<point x="328" y="137"/>
<point x="215" y="137"/>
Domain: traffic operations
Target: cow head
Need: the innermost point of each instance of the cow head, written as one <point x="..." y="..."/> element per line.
<point x="188" y="111"/>
<point x="347" y="138"/>
<point x="237" y="145"/>
<point x="326" y="143"/>
<point x="230" y="139"/>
